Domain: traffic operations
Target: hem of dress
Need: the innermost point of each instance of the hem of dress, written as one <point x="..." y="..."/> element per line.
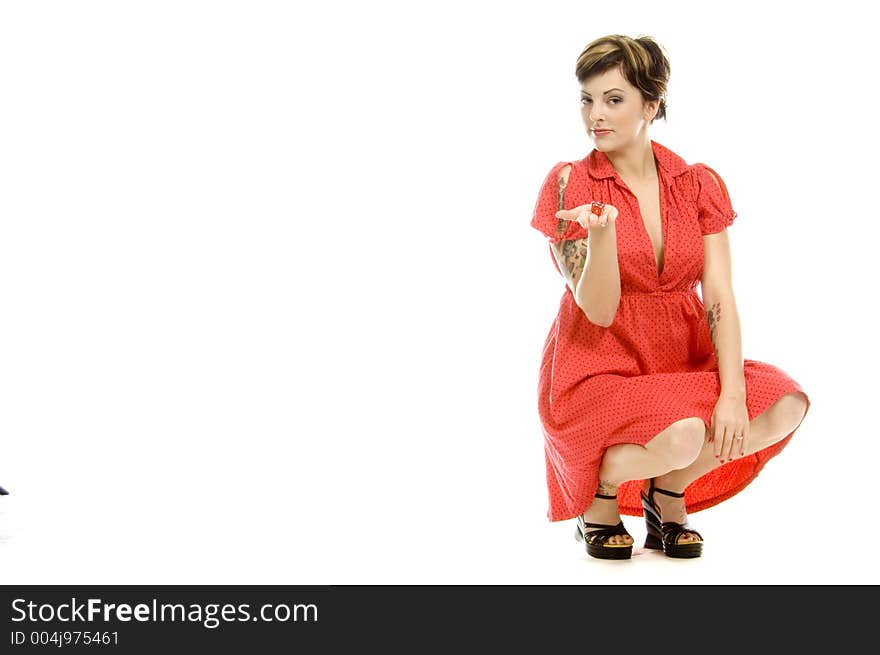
<point x="692" y="508"/>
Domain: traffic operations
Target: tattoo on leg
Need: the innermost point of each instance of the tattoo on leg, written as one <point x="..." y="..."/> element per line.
<point x="713" y="315"/>
<point x="607" y="488"/>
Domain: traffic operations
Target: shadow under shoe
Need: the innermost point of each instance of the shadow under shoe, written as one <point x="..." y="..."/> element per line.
<point x="664" y="535"/>
<point x="597" y="540"/>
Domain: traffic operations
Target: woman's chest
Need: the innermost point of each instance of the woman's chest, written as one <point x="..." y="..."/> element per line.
<point x="658" y="235"/>
<point x="647" y="206"/>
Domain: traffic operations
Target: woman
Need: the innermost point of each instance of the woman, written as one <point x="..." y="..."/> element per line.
<point x="645" y="400"/>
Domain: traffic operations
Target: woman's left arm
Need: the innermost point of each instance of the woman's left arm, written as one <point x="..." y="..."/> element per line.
<point x="730" y="418"/>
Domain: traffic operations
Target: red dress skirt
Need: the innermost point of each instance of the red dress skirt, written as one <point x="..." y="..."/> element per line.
<point x="655" y="363"/>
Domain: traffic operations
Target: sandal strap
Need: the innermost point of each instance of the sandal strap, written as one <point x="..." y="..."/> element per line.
<point x="674" y="494"/>
<point x="648" y="499"/>
<point x="602" y="535"/>
<point x="666" y="492"/>
<point x="607" y="526"/>
<point x="605" y="531"/>
<point x="671" y="531"/>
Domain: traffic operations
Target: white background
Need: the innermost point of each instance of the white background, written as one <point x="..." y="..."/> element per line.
<point x="271" y="310"/>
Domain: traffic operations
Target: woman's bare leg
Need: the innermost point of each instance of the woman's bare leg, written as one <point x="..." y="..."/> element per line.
<point x="675" y="447"/>
<point x="774" y="424"/>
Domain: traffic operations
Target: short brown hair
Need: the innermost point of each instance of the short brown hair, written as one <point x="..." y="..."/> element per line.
<point x="641" y="61"/>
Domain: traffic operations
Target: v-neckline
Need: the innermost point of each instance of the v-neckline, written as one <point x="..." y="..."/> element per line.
<point x="663" y="240"/>
<point x="658" y="272"/>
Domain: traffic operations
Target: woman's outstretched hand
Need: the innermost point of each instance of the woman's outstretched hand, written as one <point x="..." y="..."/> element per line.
<point x="586" y="218"/>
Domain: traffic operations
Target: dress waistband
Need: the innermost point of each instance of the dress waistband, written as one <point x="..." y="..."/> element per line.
<point x="658" y="292"/>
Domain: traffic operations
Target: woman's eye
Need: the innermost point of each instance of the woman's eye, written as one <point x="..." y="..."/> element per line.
<point x="612" y="100"/>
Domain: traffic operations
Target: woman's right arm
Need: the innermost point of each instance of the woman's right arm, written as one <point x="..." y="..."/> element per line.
<point x="589" y="265"/>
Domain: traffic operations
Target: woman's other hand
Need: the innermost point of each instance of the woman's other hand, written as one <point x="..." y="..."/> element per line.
<point x="730" y="427"/>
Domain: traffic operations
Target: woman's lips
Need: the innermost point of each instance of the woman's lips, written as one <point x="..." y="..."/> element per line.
<point x="601" y="132"/>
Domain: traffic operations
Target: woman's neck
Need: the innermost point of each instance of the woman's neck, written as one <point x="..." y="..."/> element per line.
<point x="636" y="164"/>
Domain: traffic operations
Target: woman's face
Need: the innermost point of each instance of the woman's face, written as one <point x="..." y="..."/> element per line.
<point x="609" y="102"/>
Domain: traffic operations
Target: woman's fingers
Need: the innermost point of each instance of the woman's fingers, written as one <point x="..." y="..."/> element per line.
<point x="723" y="441"/>
<point x="593" y="214"/>
<point x="732" y="440"/>
<point x="745" y="438"/>
<point x="569" y="214"/>
<point x="600" y="214"/>
<point x="739" y="441"/>
<point x="610" y="213"/>
<point x="720" y="445"/>
<point x="576" y="214"/>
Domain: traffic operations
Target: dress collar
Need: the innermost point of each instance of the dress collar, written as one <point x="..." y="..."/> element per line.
<point x="670" y="164"/>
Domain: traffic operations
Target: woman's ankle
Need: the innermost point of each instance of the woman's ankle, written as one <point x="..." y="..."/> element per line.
<point x="667" y="482"/>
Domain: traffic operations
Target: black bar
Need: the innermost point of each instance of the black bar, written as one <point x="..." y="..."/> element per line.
<point x="429" y="618"/>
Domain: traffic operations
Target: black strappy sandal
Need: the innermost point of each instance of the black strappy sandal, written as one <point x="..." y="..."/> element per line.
<point x="664" y="536"/>
<point x="597" y="540"/>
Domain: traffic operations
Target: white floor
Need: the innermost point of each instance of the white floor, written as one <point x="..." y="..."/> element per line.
<point x="219" y="494"/>
<point x="766" y="535"/>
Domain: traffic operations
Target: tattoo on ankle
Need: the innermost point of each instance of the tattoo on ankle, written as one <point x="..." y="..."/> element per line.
<point x="607" y="488"/>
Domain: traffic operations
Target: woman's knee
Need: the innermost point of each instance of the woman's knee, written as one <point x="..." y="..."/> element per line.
<point x="789" y="410"/>
<point x="683" y="441"/>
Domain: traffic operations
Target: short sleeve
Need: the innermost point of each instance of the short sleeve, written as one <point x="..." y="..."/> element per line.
<point x="544" y="215"/>
<point x="713" y="202"/>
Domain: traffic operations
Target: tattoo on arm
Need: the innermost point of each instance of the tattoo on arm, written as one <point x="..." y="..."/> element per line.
<point x="560" y="194"/>
<point x="572" y="257"/>
<point x="713" y="314"/>
<point x="572" y="253"/>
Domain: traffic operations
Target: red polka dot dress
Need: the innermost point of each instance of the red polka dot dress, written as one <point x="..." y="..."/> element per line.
<point x="655" y="364"/>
